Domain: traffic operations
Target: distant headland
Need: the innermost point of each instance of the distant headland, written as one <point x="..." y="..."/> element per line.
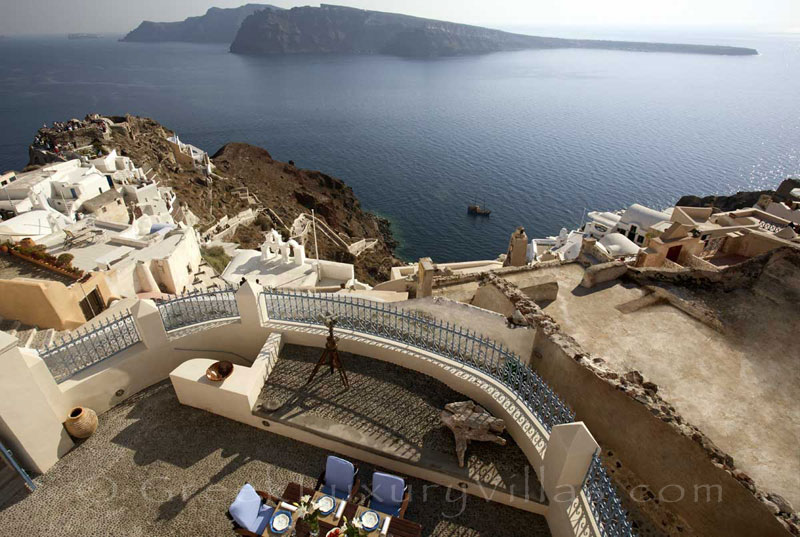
<point x="216" y="26"/>
<point x="267" y="30"/>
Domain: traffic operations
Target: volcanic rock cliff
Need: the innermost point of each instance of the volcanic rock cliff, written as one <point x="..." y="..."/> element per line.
<point x="282" y="189"/>
<point x="342" y="30"/>
<point x="216" y="26"/>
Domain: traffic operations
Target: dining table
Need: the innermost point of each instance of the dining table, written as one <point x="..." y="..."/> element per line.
<point x="398" y="527"/>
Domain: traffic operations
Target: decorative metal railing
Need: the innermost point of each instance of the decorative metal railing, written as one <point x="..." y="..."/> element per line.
<point x="449" y="340"/>
<point x="198" y="307"/>
<point x="84" y="347"/>
<point x="609" y="515"/>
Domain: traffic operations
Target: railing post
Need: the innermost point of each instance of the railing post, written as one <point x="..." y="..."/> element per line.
<point x="149" y="324"/>
<point x="567" y="460"/>
<point x="32" y="428"/>
<point x="247" y="299"/>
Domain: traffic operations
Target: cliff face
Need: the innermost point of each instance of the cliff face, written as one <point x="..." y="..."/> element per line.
<point x="740" y="200"/>
<point x="216" y="26"/>
<point x="343" y="30"/>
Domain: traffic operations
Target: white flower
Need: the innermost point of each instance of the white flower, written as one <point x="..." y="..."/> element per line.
<point x="358" y="524"/>
<point x="305" y="499"/>
<point x="302" y="511"/>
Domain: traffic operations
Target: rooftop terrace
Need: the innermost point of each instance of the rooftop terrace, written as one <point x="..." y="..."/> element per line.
<point x="740" y="387"/>
<point x="156" y="467"/>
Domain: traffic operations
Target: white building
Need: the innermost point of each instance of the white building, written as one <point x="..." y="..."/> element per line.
<point x="600" y="223"/>
<point x="284" y="264"/>
<point x="140" y="258"/>
<point x="62" y="186"/>
<point x="183" y="152"/>
<point x="151" y="199"/>
<point x="637" y="220"/>
<point x="121" y="170"/>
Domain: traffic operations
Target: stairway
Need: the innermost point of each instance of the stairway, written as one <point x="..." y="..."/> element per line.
<point x="12" y="486"/>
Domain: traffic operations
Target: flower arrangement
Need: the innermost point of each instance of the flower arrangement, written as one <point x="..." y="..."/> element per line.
<point x="350" y="528"/>
<point x="308" y="512"/>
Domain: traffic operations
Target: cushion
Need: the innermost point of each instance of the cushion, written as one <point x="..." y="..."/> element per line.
<point x="388" y="509"/>
<point x="246" y="508"/>
<point x="339" y="477"/>
<point x="387" y="492"/>
<point x="263" y="518"/>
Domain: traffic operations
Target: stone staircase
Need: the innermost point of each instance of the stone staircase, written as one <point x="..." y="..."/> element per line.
<point x="12" y="486"/>
<point x="29" y="336"/>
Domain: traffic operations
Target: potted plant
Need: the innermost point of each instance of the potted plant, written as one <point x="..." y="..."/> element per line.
<point x="308" y="515"/>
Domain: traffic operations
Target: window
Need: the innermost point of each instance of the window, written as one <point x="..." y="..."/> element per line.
<point x="640" y="239"/>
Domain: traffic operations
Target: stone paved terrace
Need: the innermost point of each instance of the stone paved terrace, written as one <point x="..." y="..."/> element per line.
<point x="394" y="411"/>
<point x="158" y="468"/>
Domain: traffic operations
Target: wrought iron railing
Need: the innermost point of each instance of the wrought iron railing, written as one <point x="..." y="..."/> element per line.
<point x="84" y="347"/>
<point x="449" y="340"/>
<point x="609" y="515"/>
<point x="198" y="307"/>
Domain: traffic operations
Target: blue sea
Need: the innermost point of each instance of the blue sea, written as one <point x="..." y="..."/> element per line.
<point x="537" y="136"/>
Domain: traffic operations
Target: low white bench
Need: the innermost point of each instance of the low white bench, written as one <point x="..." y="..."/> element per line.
<point x="236" y="395"/>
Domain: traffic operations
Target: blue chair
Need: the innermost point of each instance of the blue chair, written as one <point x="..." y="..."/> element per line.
<point x="249" y="512"/>
<point x="389" y="494"/>
<point x="339" y="479"/>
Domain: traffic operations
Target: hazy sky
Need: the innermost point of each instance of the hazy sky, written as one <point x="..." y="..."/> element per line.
<point x="118" y="16"/>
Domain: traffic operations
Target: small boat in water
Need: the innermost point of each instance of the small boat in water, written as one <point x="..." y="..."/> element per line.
<point x="478" y="210"/>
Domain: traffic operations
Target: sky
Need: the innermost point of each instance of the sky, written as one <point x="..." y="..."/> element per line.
<point x="119" y="16"/>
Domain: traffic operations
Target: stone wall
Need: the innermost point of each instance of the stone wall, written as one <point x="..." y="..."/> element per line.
<point x="604" y="272"/>
<point x="734" y="277"/>
<point x="669" y="455"/>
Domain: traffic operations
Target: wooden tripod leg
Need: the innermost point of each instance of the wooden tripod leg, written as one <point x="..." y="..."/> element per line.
<point x="342" y="374"/>
<point x="322" y="360"/>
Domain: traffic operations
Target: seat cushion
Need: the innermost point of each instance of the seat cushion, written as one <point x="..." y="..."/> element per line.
<point x="339" y="477"/>
<point x="263" y="518"/>
<point x="388" y="489"/>
<point x="389" y="509"/>
<point x="246" y="508"/>
<point x="336" y="492"/>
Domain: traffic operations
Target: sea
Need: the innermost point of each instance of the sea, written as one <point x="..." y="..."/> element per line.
<point x="539" y="137"/>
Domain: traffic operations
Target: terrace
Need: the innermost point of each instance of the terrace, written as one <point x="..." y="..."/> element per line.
<point x="156" y="466"/>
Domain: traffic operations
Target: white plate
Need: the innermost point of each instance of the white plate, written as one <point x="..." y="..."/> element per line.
<point x="281" y="522"/>
<point x="370" y="519"/>
<point x="326" y="504"/>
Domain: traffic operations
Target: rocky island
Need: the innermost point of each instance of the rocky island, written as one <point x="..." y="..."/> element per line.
<point x="216" y="26"/>
<point x="332" y="29"/>
<point x="262" y="29"/>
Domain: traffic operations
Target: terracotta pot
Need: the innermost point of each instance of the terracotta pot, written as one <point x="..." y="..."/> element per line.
<point x="4" y="249"/>
<point x="81" y="422"/>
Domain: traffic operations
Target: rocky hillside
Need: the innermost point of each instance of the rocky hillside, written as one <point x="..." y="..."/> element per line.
<point x="740" y="200"/>
<point x="283" y="188"/>
<point x="216" y="26"/>
<point x="290" y="191"/>
<point x="342" y="30"/>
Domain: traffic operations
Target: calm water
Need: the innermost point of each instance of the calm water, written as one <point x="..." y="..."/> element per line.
<point x="537" y="136"/>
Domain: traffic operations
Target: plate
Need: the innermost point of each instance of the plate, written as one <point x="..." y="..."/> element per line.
<point x="370" y="520"/>
<point x="326" y="505"/>
<point x="280" y="521"/>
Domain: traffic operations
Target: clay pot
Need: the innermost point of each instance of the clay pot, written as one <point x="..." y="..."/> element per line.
<point x="81" y="422"/>
<point x="4" y="249"/>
